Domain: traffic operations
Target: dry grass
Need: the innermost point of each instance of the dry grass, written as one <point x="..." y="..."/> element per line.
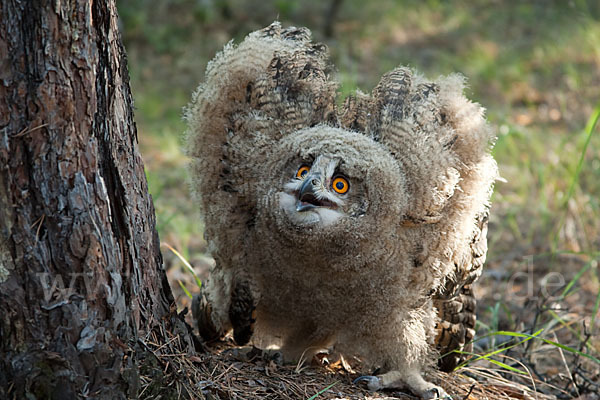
<point x="219" y="374"/>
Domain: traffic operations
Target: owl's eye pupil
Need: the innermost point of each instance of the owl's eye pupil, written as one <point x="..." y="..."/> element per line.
<point x="339" y="185"/>
<point x="303" y="173"/>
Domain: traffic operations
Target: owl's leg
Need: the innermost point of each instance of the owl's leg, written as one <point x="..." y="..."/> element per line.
<point x="403" y="348"/>
<point x="410" y="378"/>
<point x="305" y="339"/>
<point x="242" y="311"/>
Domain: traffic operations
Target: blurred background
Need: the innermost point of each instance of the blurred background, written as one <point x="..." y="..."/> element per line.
<point x="534" y="65"/>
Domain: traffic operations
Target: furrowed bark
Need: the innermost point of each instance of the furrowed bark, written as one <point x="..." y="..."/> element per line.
<point x="81" y="276"/>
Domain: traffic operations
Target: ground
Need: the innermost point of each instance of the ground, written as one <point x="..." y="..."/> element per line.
<point x="535" y="66"/>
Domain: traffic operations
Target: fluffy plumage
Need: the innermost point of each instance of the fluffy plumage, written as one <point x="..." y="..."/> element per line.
<point x="383" y="270"/>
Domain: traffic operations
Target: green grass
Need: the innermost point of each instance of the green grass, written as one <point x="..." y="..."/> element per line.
<point x="322" y="391"/>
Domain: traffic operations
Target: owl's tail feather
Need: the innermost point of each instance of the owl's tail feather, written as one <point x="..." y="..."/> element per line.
<point x="456" y="328"/>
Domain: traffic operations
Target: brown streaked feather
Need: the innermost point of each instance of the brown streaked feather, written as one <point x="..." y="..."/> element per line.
<point x="242" y="312"/>
<point x="456" y="305"/>
<point x="456" y="328"/>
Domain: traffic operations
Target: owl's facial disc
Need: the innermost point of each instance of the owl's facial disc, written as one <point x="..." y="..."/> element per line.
<point x="315" y="195"/>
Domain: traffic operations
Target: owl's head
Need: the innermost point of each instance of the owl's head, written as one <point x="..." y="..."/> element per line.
<point x="333" y="182"/>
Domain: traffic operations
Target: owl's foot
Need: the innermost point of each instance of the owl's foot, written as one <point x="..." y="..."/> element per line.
<point x="436" y="393"/>
<point x="371" y="382"/>
<point x="396" y="379"/>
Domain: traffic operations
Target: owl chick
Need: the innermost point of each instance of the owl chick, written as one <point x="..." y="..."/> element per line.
<point x="357" y="228"/>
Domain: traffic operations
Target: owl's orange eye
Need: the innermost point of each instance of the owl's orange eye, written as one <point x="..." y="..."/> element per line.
<point x="340" y="185"/>
<point x="302" y="171"/>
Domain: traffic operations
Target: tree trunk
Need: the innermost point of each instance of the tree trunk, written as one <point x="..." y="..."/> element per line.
<point x="81" y="276"/>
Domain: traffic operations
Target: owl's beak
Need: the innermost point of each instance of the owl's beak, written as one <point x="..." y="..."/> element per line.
<point x="307" y="195"/>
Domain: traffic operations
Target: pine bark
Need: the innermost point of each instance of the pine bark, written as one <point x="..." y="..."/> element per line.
<point x="81" y="276"/>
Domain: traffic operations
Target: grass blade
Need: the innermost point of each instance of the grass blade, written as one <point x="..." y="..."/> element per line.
<point x="185" y="263"/>
<point x="570" y="349"/>
<point x="575" y="279"/>
<point x="322" y="391"/>
<point x="182" y="286"/>
<point x="505" y="366"/>
<point x="589" y="129"/>
<point x="497" y="351"/>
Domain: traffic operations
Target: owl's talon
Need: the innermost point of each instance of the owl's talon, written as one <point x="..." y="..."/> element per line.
<point x="373" y="383"/>
<point x="436" y="393"/>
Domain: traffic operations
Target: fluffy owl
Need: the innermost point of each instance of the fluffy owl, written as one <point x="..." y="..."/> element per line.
<point x="358" y="228"/>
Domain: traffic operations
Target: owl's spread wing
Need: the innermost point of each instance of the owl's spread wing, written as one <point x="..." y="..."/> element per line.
<point x="436" y="134"/>
<point x="273" y="83"/>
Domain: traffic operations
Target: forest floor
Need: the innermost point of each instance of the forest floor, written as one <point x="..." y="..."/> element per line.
<point x="535" y="66"/>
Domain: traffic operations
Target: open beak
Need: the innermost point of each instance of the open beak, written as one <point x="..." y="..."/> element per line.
<point x="307" y="195"/>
